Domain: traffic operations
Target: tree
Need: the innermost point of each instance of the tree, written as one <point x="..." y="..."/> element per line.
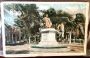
<point x="80" y="21"/>
<point x="29" y="18"/>
<point x="66" y="19"/>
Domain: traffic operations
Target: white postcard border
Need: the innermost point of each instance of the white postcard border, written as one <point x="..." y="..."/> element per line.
<point x="43" y="54"/>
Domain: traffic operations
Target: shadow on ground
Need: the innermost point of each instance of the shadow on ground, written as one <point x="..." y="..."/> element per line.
<point x="14" y="44"/>
<point x="17" y="52"/>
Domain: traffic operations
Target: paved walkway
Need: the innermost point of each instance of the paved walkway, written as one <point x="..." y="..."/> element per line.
<point x="25" y="49"/>
<point x="18" y="49"/>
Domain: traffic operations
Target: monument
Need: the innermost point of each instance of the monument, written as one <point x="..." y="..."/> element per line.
<point x="48" y="38"/>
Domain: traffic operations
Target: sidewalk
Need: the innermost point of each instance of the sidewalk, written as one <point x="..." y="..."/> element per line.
<point x="18" y="49"/>
<point x="25" y="49"/>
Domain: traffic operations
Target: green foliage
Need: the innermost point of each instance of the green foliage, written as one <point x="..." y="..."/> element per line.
<point x="80" y="18"/>
<point x="19" y="23"/>
<point x="29" y="20"/>
<point x="61" y="13"/>
<point x="51" y="12"/>
<point x="8" y="7"/>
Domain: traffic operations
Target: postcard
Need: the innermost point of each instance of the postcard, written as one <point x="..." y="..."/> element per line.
<point x="44" y="28"/>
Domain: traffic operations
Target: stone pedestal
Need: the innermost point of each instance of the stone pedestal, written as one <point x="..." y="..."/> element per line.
<point x="48" y="38"/>
<point x="48" y="42"/>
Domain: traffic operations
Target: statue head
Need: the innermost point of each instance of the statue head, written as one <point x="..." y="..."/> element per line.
<point x="45" y="15"/>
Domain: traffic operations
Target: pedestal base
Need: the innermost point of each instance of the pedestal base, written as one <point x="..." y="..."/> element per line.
<point x="50" y="49"/>
<point x="48" y="42"/>
<point x="49" y="46"/>
<point x="48" y="38"/>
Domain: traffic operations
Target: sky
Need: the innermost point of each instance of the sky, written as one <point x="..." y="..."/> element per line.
<point x="9" y="18"/>
<point x="61" y="6"/>
<point x="71" y="8"/>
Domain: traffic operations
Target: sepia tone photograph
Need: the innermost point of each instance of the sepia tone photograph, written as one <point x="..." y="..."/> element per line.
<point x="44" y="29"/>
